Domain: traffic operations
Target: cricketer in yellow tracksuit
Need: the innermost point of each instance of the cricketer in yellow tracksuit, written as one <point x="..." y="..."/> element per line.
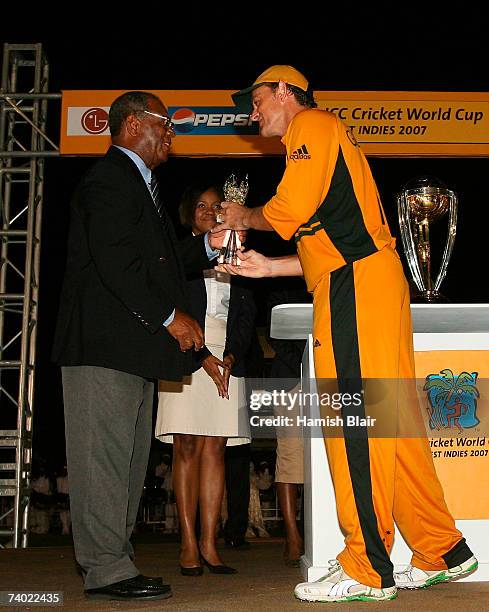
<point x="362" y="329"/>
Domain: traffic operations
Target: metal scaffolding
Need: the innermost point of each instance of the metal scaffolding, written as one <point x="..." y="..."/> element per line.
<point x="24" y="145"/>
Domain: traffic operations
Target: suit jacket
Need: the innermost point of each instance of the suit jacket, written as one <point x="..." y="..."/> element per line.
<point x="125" y="274"/>
<point x="239" y="324"/>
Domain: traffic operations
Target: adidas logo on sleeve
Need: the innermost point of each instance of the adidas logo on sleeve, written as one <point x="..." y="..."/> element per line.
<point x="300" y="153"/>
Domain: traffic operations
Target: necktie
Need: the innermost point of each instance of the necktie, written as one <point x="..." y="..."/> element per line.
<point x="155" y="194"/>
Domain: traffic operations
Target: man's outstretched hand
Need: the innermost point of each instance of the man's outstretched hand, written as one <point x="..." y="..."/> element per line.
<point x="256" y="265"/>
<point x="252" y="264"/>
<point x="186" y="331"/>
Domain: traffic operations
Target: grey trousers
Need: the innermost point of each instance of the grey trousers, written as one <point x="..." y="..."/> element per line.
<point x="108" y="426"/>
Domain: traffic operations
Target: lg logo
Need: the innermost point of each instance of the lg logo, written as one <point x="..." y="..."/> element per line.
<point x="95" y="120"/>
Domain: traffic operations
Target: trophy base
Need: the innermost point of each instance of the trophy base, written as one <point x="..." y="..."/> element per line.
<point x="429" y="297"/>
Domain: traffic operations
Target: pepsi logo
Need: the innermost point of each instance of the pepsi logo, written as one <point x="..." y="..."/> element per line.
<point x="183" y="120"/>
<point x="95" y="120"/>
<point x="210" y="120"/>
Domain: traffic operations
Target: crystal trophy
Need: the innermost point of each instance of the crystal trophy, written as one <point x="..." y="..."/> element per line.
<point x="234" y="191"/>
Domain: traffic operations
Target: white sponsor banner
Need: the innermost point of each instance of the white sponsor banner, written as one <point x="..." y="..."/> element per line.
<point x="88" y="121"/>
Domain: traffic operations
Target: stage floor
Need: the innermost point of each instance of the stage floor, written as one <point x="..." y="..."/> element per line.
<point x="263" y="582"/>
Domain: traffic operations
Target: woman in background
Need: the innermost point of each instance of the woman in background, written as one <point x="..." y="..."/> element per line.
<point x="208" y="409"/>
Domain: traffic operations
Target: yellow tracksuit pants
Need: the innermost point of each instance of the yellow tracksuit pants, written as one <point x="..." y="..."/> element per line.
<point x="362" y="329"/>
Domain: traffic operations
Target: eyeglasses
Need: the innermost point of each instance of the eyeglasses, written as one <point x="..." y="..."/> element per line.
<point x="167" y="122"/>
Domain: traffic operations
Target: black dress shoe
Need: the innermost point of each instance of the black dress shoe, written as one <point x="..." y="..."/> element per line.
<point x="138" y="587"/>
<point x="218" y="569"/>
<point x="153" y="579"/>
<point x="197" y="570"/>
<point x="238" y="544"/>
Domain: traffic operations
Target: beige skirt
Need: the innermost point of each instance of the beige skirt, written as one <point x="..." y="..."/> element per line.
<point x="193" y="406"/>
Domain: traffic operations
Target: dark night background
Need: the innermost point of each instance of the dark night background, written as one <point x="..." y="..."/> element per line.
<point x="362" y="49"/>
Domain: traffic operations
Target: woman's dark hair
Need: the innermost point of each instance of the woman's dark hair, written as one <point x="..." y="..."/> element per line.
<point x="190" y="198"/>
<point x="129" y="103"/>
<point x="304" y="98"/>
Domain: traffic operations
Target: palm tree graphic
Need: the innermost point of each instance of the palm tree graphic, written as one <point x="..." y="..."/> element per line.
<point x="446" y="394"/>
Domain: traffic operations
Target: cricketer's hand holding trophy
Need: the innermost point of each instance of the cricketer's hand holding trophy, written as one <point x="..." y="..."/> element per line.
<point x="421" y="202"/>
<point x="234" y="191"/>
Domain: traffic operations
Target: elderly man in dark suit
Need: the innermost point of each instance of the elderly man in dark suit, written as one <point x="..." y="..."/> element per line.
<point x="122" y="322"/>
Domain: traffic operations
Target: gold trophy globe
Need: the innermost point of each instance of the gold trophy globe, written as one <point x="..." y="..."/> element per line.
<point x="422" y="202"/>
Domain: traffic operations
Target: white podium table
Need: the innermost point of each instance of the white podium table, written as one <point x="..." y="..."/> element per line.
<point x="436" y="327"/>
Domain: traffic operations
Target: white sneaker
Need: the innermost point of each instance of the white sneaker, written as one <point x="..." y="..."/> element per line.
<point x="415" y="578"/>
<point x="336" y="585"/>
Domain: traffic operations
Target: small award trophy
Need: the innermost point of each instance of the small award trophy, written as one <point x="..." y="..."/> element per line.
<point x="421" y="202"/>
<point x="234" y="191"/>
